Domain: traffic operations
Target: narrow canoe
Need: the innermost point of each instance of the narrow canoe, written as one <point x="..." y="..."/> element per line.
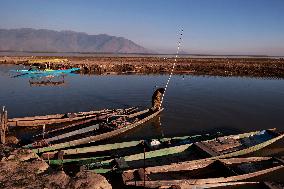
<point x="221" y="147"/>
<point x="47" y="71"/>
<point x="204" y="173"/>
<point x="110" y="151"/>
<point x="57" y="118"/>
<point x="133" y="120"/>
<point x="100" y="117"/>
<point x="74" y="129"/>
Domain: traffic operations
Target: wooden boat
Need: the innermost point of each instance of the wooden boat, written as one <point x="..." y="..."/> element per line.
<point x="38" y="73"/>
<point x="77" y="128"/>
<point x="110" y="151"/>
<point x="108" y="130"/>
<point x="58" y="118"/>
<point x="47" y="71"/>
<point x="81" y="123"/>
<point x="221" y="147"/>
<point x="202" y="173"/>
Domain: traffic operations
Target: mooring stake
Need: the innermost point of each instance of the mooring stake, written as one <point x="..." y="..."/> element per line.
<point x="144" y="168"/>
<point x="4" y="121"/>
<point x="43" y="130"/>
<point x="1" y="129"/>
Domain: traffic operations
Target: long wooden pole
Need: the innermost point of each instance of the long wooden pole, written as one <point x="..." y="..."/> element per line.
<point x="144" y="166"/>
<point x="3" y="125"/>
<point x="6" y="121"/>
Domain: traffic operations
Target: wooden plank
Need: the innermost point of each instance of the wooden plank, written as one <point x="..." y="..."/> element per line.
<point x="33" y="123"/>
<point x="72" y="133"/>
<point x="70" y="126"/>
<point x="243" y="160"/>
<point x="206" y="149"/>
<point x="36" y="118"/>
<point x="54" y="116"/>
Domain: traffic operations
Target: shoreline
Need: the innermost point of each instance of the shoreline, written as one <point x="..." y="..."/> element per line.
<point x="251" y="67"/>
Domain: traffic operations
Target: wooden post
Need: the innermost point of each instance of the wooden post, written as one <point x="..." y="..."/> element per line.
<point x="6" y="121"/>
<point x="3" y="125"/>
<point x="61" y="157"/>
<point x="43" y="130"/>
<point x="144" y="167"/>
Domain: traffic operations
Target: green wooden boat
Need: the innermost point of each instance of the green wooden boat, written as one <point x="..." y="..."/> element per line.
<point x="105" y="131"/>
<point x="204" y="173"/>
<point x="110" y="151"/>
<point x="221" y="147"/>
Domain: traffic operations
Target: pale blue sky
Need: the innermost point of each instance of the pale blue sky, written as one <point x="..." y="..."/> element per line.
<point x="210" y="26"/>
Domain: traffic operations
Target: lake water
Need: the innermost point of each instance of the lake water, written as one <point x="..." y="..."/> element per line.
<point x="193" y="104"/>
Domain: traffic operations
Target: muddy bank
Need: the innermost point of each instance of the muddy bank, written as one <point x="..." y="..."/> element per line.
<point x="21" y="168"/>
<point x="252" y="67"/>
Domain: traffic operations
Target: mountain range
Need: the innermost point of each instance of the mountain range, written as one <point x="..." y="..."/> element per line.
<point x="43" y="40"/>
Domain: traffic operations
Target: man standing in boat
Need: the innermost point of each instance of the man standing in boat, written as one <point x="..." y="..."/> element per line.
<point x="157" y="99"/>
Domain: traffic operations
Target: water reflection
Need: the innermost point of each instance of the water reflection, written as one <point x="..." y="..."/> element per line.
<point x="193" y="104"/>
<point x="47" y="81"/>
<point x="159" y="127"/>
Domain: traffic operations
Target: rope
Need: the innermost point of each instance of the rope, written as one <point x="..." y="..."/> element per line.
<point x="175" y="60"/>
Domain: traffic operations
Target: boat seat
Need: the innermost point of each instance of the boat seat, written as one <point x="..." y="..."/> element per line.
<point x="231" y="150"/>
<point x="225" y="168"/>
<point x="121" y="163"/>
<point x="206" y="149"/>
<point x="60" y="154"/>
<point x="142" y="174"/>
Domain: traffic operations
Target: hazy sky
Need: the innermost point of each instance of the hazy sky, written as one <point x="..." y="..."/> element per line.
<point x="210" y="26"/>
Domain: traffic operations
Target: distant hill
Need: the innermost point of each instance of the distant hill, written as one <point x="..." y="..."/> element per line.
<point x="42" y="40"/>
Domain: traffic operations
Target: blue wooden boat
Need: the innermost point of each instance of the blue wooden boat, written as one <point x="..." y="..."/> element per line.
<point x="46" y="71"/>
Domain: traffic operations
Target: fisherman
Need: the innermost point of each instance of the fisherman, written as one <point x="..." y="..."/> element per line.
<point x="157" y="99"/>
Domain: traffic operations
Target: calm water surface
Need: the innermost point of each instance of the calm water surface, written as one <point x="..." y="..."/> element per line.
<point x="193" y="104"/>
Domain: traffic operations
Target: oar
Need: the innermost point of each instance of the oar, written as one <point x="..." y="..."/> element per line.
<point x="80" y="160"/>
